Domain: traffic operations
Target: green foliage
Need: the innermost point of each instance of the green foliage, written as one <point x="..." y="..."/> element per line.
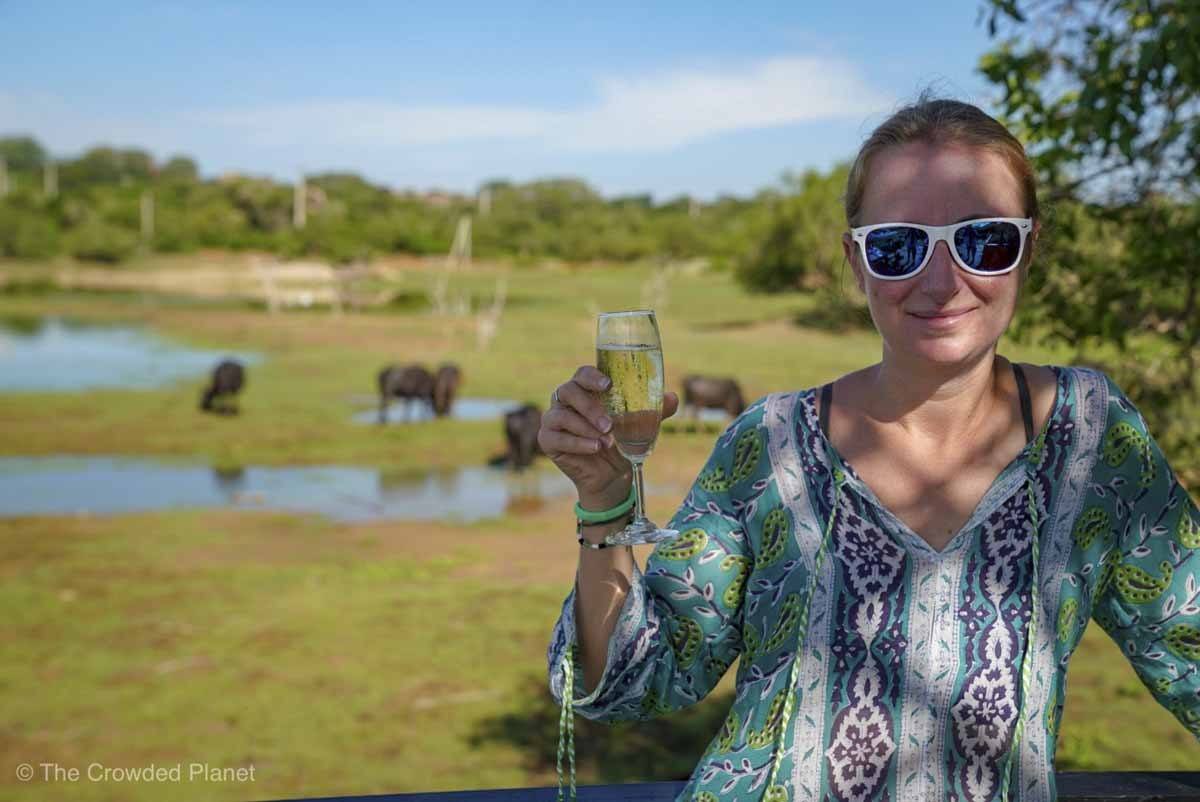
<point x="349" y="218"/>
<point x="22" y="153"/>
<point x="1106" y="95"/>
<point x="98" y="241"/>
<point x="105" y="165"/>
<point x="179" y="169"/>
<point x="26" y="232"/>
<point x="794" y="245"/>
<point x="800" y="248"/>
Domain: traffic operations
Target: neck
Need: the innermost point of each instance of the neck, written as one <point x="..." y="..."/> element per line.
<point x="932" y="404"/>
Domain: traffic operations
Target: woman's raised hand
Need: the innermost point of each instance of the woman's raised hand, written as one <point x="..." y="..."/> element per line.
<point x="576" y="435"/>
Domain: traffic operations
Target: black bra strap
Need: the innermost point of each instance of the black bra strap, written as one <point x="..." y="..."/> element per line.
<point x="826" y="400"/>
<point x="1026" y="407"/>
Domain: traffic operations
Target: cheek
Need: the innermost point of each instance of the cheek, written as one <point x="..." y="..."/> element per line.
<point x="888" y="293"/>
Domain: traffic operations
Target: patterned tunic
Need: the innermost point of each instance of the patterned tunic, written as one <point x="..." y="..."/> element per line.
<point x="908" y="685"/>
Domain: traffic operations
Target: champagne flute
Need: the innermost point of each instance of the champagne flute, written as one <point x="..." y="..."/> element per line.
<point x="629" y="352"/>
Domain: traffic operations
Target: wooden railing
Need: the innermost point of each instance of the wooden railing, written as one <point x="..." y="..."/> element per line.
<point x="1127" y="786"/>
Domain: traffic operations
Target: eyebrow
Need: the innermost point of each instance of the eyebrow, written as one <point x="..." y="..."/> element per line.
<point x="977" y="216"/>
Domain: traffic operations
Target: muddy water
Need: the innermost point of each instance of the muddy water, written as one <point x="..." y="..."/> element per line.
<point x="112" y="485"/>
<point x="56" y="355"/>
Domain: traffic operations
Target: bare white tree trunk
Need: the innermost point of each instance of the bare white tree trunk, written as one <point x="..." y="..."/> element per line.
<point x="50" y="179"/>
<point x="147" y="216"/>
<point x="300" y="203"/>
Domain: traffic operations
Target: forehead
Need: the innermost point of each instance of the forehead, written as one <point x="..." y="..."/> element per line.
<point x="939" y="184"/>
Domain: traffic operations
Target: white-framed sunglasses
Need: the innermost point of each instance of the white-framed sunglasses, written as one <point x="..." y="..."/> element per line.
<point x="989" y="246"/>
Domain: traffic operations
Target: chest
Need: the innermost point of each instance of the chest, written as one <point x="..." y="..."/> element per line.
<point x="933" y="498"/>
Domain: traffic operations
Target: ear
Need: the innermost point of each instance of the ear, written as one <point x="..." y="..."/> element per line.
<point x="850" y="251"/>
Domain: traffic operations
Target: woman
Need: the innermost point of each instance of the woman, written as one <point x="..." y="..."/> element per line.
<point x="913" y="549"/>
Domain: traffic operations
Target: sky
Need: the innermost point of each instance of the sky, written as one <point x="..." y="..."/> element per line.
<point x="666" y="98"/>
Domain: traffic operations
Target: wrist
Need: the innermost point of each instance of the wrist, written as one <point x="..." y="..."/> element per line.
<point x="607" y="498"/>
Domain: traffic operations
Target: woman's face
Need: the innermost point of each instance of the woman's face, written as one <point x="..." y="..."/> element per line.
<point x="939" y="185"/>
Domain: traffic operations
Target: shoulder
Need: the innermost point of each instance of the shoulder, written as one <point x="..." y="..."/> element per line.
<point x="1043" y="382"/>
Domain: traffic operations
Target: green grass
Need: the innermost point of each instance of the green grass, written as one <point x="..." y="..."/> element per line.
<point x="356" y="659"/>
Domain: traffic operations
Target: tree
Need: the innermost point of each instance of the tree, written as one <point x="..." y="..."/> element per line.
<point x="22" y="153"/>
<point x="1106" y="93"/>
<point x="179" y="169"/>
<point x="800" y="248"/>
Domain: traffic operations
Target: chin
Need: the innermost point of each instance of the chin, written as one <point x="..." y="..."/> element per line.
<point x="945" y="351"/>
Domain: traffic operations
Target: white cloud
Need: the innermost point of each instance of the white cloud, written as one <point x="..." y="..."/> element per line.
<point x="646" y="113"/>
<point x="663" y="111"/>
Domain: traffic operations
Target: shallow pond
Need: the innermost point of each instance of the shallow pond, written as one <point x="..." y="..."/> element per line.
<point x="399" y="412"/>
<point x="110" y="485"/>
<point x="54" y="355"/>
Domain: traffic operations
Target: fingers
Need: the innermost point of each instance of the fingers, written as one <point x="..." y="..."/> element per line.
<point x="565" y="419"/>
<point x="670" y="405"/>
<point x="579" y="396"/>
<point x="591" y="378"/>
<point x="555" y="442"/>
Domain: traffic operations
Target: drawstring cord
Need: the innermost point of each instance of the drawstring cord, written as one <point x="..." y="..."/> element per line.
<point x="566" y="723"/>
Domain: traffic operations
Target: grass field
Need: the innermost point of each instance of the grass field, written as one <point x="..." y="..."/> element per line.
<point x="381" y="657"/>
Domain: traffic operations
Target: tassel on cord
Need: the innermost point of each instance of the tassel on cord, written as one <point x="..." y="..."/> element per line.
<point x="790" y="700"/>
<point x="1030" y="633"/>
<point x="566" y="723"/>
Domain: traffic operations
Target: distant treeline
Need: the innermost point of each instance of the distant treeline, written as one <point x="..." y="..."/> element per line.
<point x="91" y="207"/>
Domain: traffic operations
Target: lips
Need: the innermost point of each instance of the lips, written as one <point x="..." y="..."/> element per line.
<point x="940" y="315"/>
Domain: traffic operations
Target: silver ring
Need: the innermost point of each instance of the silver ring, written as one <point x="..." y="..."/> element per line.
<point x="554" y="398"/>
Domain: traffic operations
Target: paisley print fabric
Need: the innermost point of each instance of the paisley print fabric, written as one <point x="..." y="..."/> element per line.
<point x="908" y="684"/>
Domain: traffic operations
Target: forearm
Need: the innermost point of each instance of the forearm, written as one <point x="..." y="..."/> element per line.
<point x="602" y="583"/>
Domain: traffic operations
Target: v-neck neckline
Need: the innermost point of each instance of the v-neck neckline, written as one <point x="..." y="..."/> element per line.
<point x="997" y="490"/>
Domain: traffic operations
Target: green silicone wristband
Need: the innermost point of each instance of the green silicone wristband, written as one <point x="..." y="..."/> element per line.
<point x="609" y="515"/>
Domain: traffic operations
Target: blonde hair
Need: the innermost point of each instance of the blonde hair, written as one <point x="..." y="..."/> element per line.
<point x="940" y="122"/>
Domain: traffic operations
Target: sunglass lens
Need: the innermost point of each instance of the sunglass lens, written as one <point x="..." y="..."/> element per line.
<point x="988" y="246"/>
<point x="896" y="251"/>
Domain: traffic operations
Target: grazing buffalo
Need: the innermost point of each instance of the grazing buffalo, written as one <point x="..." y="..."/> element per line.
<point x="228" y="377"/>
<point x="712" y="393"/>
<point x="411" y="383"/>
<point x="521" y="430"/>
<point x="445" y="387"/>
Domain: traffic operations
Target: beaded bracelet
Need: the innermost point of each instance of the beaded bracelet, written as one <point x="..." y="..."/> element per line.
<point x="603" y="544"/>
<point x="609" y="515"/>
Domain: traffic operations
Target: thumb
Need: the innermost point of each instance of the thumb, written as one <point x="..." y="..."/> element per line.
<point x="670" y="404"/>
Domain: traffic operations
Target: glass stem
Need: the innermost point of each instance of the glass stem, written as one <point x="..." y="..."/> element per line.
<point x="639" y="492"/>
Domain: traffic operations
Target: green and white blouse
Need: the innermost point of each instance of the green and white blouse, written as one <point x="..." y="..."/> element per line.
<point x="874" y="667"/>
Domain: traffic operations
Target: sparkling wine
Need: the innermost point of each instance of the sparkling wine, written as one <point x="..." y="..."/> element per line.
<point x="634" y="401"/>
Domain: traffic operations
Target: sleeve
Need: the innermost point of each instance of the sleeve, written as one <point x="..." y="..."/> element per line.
<point x="680" y="627"/>
<point x="1147" y="595"/>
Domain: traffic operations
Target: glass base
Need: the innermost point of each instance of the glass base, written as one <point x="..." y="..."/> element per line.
<point x="640" y="532"/>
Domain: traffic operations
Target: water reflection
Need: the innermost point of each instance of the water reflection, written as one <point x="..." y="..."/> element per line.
<point x="462" y="409"/>
<point x="110" y="485"/>
<point x="51" y="354"/>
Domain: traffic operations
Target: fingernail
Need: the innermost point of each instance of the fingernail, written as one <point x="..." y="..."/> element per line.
<point x="608" y="440"/>
<point x="605" y="383"/>
<point x="603" y="423"/>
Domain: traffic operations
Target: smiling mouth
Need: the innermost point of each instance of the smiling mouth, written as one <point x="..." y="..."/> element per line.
<point x="940" y="315"/>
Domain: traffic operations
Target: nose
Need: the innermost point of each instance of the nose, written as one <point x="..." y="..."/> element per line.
<point x="940" y="278"/>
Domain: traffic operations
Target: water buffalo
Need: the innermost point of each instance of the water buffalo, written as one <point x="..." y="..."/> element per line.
<point x="712" y="393"/>
<point x="411" y="383"/>
<point x="521" y="430"/>
<point x="228" y="377"/>
<point x="445" y="387"/>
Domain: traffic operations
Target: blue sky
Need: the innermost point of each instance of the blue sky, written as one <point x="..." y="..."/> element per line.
<point x="667" y="98"/>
